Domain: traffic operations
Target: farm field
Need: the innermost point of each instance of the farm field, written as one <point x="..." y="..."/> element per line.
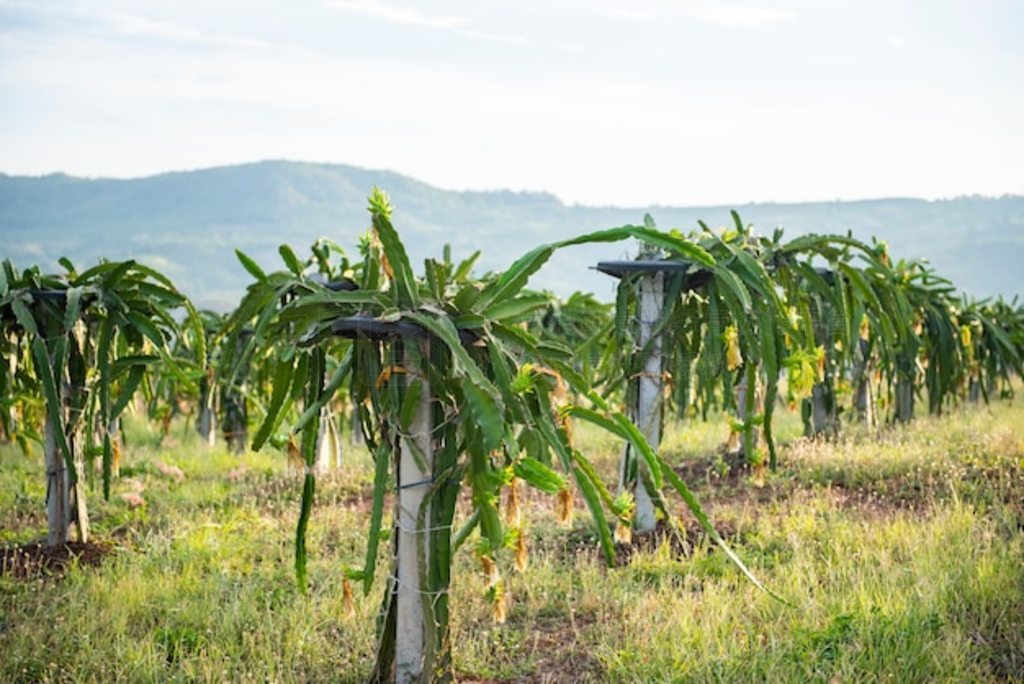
<point x="899" y="555"/>
<point x="635" y="385"/>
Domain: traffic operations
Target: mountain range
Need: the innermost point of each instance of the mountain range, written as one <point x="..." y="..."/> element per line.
<point x="188" y="223"/>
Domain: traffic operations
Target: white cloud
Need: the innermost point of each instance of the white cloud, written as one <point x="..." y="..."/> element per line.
<point x="396" y="14"/>
<point x="161" y="263"/>
<point x="627" y="14"/>
<point x="570" y="47"/>
<point x="896" y="41"/>
<point x="488" y="37"/>
<point x="102" y="22"/>
<point x="136" y="25"/>
<point x="743" y="15"/>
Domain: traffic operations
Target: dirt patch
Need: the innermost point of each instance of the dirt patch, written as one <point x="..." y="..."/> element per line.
<point x="582" y="542"/>
<point x="728" y="482"/>
<point x="681" y="542"/>
<point x="727" y="478"/>
<point x="38" y="560"/>
<point x="558" y="652"/>
<point x="360" y="501"/>
<point x="720" y="469"/>
<point x="870" y="504"/>
<point x="273" y="493"/>
<point x="561" y="654"/>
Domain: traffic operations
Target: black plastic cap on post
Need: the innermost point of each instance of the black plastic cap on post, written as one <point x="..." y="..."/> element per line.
<point x="696" y="276"/>
<point x="343" y="285"/>
<point x="367" y="327"/>
<point x="57" y="297"/>
<point x="51" y="295"/>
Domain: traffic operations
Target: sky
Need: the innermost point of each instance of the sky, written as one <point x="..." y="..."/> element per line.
<point x="602" y="102"/>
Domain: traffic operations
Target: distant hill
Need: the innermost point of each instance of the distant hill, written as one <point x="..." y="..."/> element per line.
<point x="188" y="223"/>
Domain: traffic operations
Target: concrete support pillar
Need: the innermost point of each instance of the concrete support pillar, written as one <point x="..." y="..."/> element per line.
<point x="647" y="413"/>
<point x="415" y="473"/>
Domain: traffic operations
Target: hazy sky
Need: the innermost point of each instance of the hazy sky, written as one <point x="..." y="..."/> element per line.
<point x="598" y="101"/>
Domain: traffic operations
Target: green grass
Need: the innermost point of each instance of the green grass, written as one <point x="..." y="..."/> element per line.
<point x="901" y="557"/>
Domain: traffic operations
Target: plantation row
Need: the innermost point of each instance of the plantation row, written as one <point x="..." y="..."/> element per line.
<point x="466" y="387"/>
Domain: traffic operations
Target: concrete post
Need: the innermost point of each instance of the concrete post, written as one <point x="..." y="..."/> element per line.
<point x="207" y="421"/>
<point x="647" y="412"/>
<point x="823" y="419"/>
<point x="414" y="479"/>
<point x="904" y="401"/>
<point x="65" y="502"/>
<point x="974" y="390"/>
<point x="863" y="402"/>
<point x="58" y="495"/>
<point x="356" y="437"/>
<point x="328" y="443"/>
<point x="741" y="443"/>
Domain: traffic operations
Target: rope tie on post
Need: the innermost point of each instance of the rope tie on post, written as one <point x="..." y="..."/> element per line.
<point x="51" y="478"/>
<point x="419" y="483"/>
<point x="426" y="592"/>
<point x="647" y="374"/>
<point x="414" y="530"/>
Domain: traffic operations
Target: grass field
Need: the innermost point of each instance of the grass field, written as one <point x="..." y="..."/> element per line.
<point x="900" y="558"/>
